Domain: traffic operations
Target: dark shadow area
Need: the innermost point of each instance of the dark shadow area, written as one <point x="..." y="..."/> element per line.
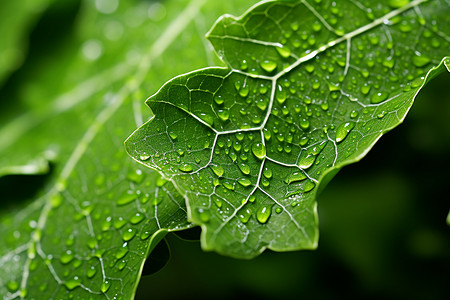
<point x="17" y="189"/>
<point x="157" y="259"/>
<point x="191" y="234"/>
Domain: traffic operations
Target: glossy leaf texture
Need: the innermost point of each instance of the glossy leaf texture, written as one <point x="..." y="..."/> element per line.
<point x="309" y="87"/>
<point x="89" y="229"/>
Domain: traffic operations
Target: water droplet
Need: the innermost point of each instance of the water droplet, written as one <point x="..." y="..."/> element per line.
<point x="144" y="157"/>
<point x="343" y="130"/>
<point x="354" y="114"/>
<point x="306" y="160"/>
<point x="281" y="95"/>
<point x="204" y="215"/>
<point x="259" y="150"/>
<point x="119" y="222"/>
<point x="244" y="215"/>
<point x="122" y="251"/>
<point x="185" y="168"/>
<point x="263" y="214"/>
<point x="66" y="257"/>
<point x="420" y="60"/>
<point x="173" y="135"/>
<point x="233" y="156"/>
<point x="244" y="168"/>
<point x="209" y="119"/>
<point x="263" y="88"/>
<point x="244" y="182"/>
<point x="244" y="90"/>
<point x="316" y="26"/>
<point x="126" y="198"/>
<point x="268" y="65"/>
<point x="388" y="62"/>
<point x="309" y="68"/>
<point x="105" y="286"/>
<point x="135" y="176"/>
<point x="244" y="65"/>
<point x="223" y="114"/>
<point x="284" y="51"/>
<point x="91" y="271"/>
<point x="304" y="123"/>
<point x="128" y="234"/>
<point x="267" y="173"/>
<point x="309" y="185"/>
<point x="219" y="99"/>
<point x="73" y="283"/>
<point x="378" y="97"/>
<point x="398" y="3"/>
<point x="294" y="177"/>
<point x="137" y="218"/>
<point x="218" y="170"/>
<point x="121" y="264"/>
<point x="405" y="26"/>
<point x="381" y="114"/>
<point x="12" y="286"/>
<point x="145" y="235"/>
<point x="365" y="88"/>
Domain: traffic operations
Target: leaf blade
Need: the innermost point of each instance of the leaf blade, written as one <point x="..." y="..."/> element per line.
<point x="324" y="105"/>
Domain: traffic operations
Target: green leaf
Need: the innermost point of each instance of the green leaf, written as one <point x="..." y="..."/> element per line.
<point x="89" y="229"/>
<point x="309" y="87"/>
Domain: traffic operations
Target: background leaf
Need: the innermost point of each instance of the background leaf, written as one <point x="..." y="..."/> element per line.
<point x="95" y="217"/>
<point x="16" y="19"/>
<point x="249" y="144"/>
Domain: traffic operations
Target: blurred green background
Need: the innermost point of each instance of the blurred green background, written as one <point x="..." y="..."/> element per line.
<point x="382" y="220"/>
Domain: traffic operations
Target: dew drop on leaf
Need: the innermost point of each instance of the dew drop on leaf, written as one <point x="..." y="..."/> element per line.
<point x="268" y="65"/>
<point x="128" y="234"/>
<point x="218" y="170"/>
<point x="126" y="198"/>
<point x="91" y="271"/>
<point x="219" y="99"/>
<point x="294" y="177"/>
<point x="309" y="185"/>
<point x="378" y="97"/>
<point x="204" y="215"/>
<point x="281" y="94"/>
<point x="259" y="150"/>
<point x="66" y="257"/>
<point x="306" y="160"/>
<point x="223" y="114"/>
<point x="263" y="214"/>
<point x="12" y="286"/>
<point x="209" y="119"/>
<point x="343" y="130"/>
<point x="420" y="60"/>
<point x="73" y="283"/>
<point x="244" y="182"/>
<point x="244" y="215"/>
<point x="144" y="157"/>
<point x="398" y="3"/>
<point x="244" y="168"/>
<point x="122" y="251"/>
<point x="185" y="168"/>
<point x="105" y="286"/>
<point x="284" y="51"/>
